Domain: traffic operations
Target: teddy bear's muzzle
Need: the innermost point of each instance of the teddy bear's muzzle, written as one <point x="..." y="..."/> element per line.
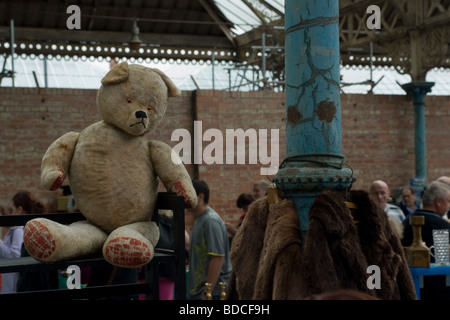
<point x="139" y="122"/>
<point x="140" y="115"/>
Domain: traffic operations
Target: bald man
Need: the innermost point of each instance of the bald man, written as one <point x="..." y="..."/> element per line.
<point x="379" y="191"/>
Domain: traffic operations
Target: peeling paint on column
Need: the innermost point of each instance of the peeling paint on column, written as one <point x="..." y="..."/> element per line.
<point x="312" y="77"/>
<point x="294" y="117"/>
<point x="313" y="127"/>
<point x="326" y="111"/>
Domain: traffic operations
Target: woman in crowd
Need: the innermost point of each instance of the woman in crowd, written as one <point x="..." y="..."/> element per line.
<point x="23" y="202"/>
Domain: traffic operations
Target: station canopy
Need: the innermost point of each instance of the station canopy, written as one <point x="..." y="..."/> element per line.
<point x="240" y="35"/>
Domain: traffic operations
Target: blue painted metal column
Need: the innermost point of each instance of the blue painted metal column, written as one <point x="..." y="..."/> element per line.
<point x="419" y="90"/>
<point x="313" y="131"/>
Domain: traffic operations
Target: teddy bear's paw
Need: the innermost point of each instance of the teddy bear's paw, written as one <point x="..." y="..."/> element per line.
<point x="128" y="252"/>
<point x="189" y="201"/>
<point x="54" y="179"/>
<point x="38" y="240"/>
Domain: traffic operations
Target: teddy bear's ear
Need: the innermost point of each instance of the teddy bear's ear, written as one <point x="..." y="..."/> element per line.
<point x="118" y="74"/>
<point x="173" y="90"/>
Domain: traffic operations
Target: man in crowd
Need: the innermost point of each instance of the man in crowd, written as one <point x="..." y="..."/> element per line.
<point x="435" y="204"/>
<point x="379" y="191"/>
<point x="408" y="204"/>
<point x="209" y="260"/>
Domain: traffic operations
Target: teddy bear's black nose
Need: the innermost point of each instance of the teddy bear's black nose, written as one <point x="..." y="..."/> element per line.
<point x="140" y="114"/>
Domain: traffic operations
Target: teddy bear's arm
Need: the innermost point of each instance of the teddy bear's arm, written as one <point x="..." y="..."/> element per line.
<point x="172" y="174"/>
<point x="56" y="160"/>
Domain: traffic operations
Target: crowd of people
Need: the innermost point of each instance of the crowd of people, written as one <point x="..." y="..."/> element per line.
<point x="434" y="204"/>
<point x="208" y="245"/>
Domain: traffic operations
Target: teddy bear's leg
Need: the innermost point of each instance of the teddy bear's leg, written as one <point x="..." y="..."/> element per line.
<point x="131" y="245"/>
<point x="50" y="241"/>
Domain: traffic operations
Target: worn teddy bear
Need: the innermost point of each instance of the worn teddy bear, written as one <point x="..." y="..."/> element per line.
<point x="114" y="170"/>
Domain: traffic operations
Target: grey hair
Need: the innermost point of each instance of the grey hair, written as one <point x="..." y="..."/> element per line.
<point x="264" y="184"/>
<point x="435" y="190"/>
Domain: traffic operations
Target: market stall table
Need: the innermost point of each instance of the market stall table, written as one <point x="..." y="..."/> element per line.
<point x="418" y="274"/>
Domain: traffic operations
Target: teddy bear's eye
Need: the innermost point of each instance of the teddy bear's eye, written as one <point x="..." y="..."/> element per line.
<point x="149" y="108"/>
<point x="129" y="100"/>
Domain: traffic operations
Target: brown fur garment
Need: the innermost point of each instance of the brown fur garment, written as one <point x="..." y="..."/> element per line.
<point x="266" y="253"/>
<point x="268" y="262"/>
<point x="332" y="256"/>
<point x="246" y="251"/>
<point x="342" y="294"/>
<point x="337" y="251"/>
<point x="382" y="247"/>
<point x="279" y="272"/>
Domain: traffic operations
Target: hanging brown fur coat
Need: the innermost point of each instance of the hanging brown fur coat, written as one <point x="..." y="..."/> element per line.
<point x="246" y="249"/>
<point x="340" y="245"/>
<point x="269" y="263"/>
<point x="265" y="253"/>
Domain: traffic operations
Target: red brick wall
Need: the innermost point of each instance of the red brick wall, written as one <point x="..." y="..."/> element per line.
<point x="237" y="110"/>
<point x="29" y="121"/>
<point x="377" y="136"/>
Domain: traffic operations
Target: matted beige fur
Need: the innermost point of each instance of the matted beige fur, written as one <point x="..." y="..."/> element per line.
<point x="113" y="169"/>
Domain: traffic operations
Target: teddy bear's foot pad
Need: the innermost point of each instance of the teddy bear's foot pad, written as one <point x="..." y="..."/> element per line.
<point x="38" y="240"/>
<point x="127" y="252"/>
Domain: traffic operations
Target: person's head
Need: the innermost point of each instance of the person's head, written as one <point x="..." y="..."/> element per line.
<point x="244" y="200"/>
<point x="24" y="202"/>
<point x="444" y="179"/>
<point x="260" y="189"/>
<point x="202" y="191"/>
<point x="408" y="196"/>
<point x="380" y="192"/>
<point x="436" y="197"/>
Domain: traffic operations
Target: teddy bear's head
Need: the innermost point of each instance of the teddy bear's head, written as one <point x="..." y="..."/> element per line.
<point x="134" y="98"/>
